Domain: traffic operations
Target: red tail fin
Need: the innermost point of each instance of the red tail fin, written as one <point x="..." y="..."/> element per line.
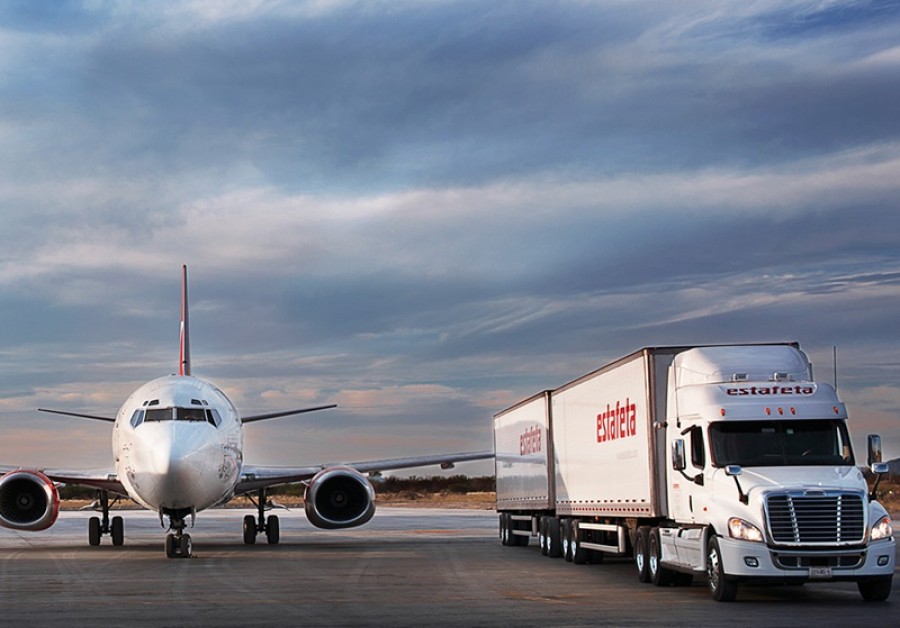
<point x="184" y="358"/>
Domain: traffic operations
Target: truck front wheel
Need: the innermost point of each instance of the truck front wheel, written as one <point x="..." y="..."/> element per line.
<point x="875" y="590"/>
<point x="720" y="587"/>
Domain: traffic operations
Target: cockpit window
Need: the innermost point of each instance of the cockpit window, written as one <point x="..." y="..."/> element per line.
<point x="158" y="414"/>
<point x="190" y="414"/>
<point x="204" y="415"/>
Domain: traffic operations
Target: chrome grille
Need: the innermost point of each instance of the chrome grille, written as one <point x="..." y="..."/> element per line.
<point x="816" y="518"/>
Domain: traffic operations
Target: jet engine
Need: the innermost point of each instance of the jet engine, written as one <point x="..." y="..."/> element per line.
<point x="339" y="497"/>
<point x="28" y="501"/>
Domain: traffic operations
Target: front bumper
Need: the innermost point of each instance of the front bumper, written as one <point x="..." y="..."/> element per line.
<point x="745" y="560"/>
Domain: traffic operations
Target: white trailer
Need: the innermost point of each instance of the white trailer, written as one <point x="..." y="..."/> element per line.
<point x="728" y="462"/>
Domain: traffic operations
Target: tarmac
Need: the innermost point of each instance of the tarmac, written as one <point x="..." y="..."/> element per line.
<point x="407" y="567"/>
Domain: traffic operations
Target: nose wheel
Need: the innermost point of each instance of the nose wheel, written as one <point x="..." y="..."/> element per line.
<point x="178" y="546"/>
<point x="178" y="542"/>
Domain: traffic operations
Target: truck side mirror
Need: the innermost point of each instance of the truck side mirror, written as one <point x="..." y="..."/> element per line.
<point x="874" y="449"/>
<point x="678" y="460"/>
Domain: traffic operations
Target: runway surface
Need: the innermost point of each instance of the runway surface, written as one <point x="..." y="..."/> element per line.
<point x="407" y="567"/>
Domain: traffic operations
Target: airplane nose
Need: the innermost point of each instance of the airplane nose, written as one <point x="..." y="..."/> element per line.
<point x="173" y="471"/>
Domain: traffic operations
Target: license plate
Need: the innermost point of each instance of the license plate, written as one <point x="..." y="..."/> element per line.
<point x="820" y="572"/>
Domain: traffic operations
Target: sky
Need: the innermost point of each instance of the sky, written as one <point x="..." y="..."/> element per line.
<point x="427" y="210"/>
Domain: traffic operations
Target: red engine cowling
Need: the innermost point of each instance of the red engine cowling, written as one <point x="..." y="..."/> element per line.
<point x="28" y="501"/>
<point x="339" y="497"/>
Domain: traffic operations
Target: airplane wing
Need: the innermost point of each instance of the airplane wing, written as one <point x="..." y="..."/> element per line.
<point x="257" y="477"/>
<point x="104" y="480"/>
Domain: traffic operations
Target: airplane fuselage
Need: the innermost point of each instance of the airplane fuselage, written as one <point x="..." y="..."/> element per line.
<point x="178" y="444"/>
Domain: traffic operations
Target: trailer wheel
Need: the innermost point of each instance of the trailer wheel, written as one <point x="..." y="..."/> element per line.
<point x="504" y="529"/>
<point x="580" y="555"/>
<point x="521" y="539"/>
<point x="641" y="556"/>
<point x="875" y="590"/>
<point x="542" y="536"/>
<point x="659" y="575"/>
<point x="554" y="542"/>
<point x="565" y="533"/>
<point x="720" y="587"/>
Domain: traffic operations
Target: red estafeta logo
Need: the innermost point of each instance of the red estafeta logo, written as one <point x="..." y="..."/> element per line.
<point x="767" y="391"/>
<point x="619" y="421"/>
<point x="530" y="441"/>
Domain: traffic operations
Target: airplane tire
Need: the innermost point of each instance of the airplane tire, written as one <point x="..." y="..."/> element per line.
<point x="170" y="546"/>
<point x="273" y="532"/>
<point x="185" y="546"/>
<point x="249" y="530"/>
<point x="118" y="531"/>
<point x="94" y="531"/>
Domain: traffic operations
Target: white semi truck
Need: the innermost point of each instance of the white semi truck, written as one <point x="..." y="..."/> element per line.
<point x="728" y="462"/>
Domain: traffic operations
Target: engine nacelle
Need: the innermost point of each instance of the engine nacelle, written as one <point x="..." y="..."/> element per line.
<point x="339" y="497"/>
<point x="28" y="501"/>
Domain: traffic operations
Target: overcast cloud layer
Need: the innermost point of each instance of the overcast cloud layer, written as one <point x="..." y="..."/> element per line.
<point x="427" y="211"/>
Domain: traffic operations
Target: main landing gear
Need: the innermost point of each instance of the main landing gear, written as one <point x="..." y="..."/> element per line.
<point x="98" y="526"/>
<point x="261" y="523"/>
<point x="178" y="542"/>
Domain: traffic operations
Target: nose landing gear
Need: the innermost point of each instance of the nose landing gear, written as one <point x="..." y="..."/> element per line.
<point x="178" y="542"/>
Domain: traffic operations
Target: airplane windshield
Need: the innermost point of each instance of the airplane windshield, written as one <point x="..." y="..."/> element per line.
<point x="158" y="414"/>
<point x="203" y="415"/>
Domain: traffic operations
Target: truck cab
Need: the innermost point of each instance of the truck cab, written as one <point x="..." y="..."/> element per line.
<point x="763" y="482"/>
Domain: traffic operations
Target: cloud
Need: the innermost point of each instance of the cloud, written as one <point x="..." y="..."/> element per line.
<point x="428" y="210"/>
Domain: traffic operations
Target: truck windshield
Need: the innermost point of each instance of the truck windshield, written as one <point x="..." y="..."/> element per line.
<point x="780" y="443"/>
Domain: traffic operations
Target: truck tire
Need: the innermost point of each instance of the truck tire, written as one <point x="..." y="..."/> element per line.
<point x="875" y="590"/>
<point x="504" y="529"/>
<point x="565" y="535"/>
<point x="554" y="542"/>
<point x="641" y="556"/>
<point x="720" y="587"/>
<point x="542" y="535"/>
<point x="519" y="540"/>
<point x="580" y="555"/>
<point x="659" y="575"/>
<point x="683" y="579"/>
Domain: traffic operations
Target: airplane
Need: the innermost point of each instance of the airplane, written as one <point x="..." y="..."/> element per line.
<point x="178" y="447"/>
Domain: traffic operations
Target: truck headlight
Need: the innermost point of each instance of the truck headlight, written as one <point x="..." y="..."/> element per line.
<point x="744" y="530"/>
<point x="882" y="529"/>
